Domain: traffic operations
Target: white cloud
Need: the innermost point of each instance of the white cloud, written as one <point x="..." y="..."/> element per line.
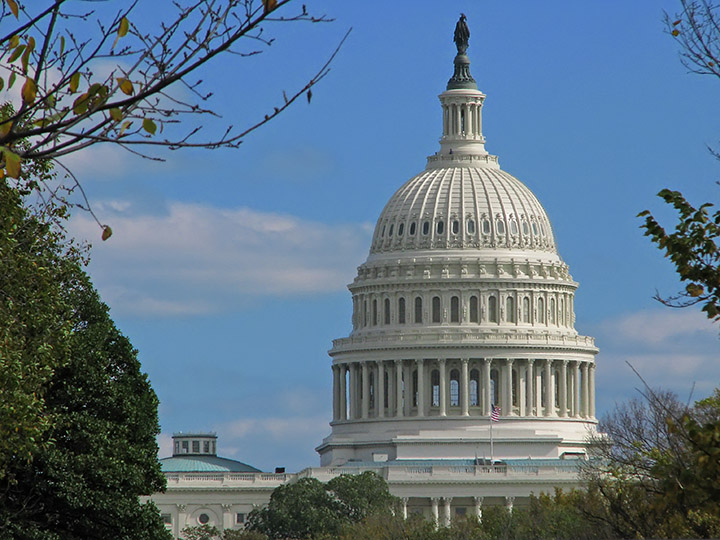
<point x="201" y="259"/>
<point x="658" y="327"/>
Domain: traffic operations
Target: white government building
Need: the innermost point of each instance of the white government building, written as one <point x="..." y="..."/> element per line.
<point x="462" y="305"/>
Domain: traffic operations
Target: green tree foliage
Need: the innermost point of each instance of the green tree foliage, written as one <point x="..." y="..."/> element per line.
<point x="694" y="249"/>
<point x="309" y="509"/>
<point x="78" y="472"/>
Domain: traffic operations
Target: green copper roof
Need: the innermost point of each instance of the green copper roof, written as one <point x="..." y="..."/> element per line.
<point x="204" y="464"/>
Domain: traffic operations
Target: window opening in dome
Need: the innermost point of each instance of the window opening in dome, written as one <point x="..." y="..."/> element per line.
<point x="543" y="389"/>
<point x="510" y="309"/>
<point x="474" y="385"/>
<point x="474" y="309"/>
<point x="371" y="390"/>
<point x="492" y="309"/>
<point x="387" y="311"/>
<point x="365" y="313"/>
<point x="534" y="228"/>
<point x="525" y="228"/>
<point x="462" y="120"/>
<point x="455" y="309"/>
<point x="494" y="386"/>
<point x="426" y="228"/>
<point x="470" y="226"/>
<point x="455" y="226"/>
<point x="562" y="312"/>
<point x="391" y="229"/>
<point x="500" y="226"/>
<point x="436" y="309"/>
<point x="401" y="229"/>
<point x="526" y="310"/>
<point x="454" y="388"/>
<point x="412" y="229"/>
<point x="418" y="310"/>
<point x="541" y="310"/>
<point x="514" y="388"/>
<point x="552" y="311"/>
<point x="542" y="229"/>
<point x="486" y="226"/>
<point x="382" y="233"/>
<point x="435" y="382"/>
<point x="415" y="390"/>
<point x="440" y="226"/>
<point x="513" y="227"/>
<point x="557" y="388"/>
<point x="374" y="313"/>
<point x="401" y="311"/>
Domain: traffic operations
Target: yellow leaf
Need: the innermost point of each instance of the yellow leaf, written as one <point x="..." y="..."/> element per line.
<point x="107" y="232"/>
<point x="126" y="125"/>
<point x="16" y="53"/>
<point x="269" y="5"/>
<point x="125" y="86"/>
<point x="74" y="82"/>
<point x="5" y="128"/>
<point x="675" y="32"/>
<point x="124" y="27"/>
<point x="29" y="91"/>
<point x="115" y="114"/>
<point x="2" y="83"/>
<point x="149" y="126"/>
<point x="62" y="45"/>
<point x="13" y="7"/>
<point x="80" y="105"/>
<point x="12" y="163"/>
<point x="11" y="80"/>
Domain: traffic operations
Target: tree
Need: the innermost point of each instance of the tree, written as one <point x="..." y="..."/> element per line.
<point x="112" y="74"/>
<point x="79" y="473"/>
<point x="308" y="508"/>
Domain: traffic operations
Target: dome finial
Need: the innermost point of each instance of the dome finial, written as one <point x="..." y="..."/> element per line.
<point x="461" y="77"/>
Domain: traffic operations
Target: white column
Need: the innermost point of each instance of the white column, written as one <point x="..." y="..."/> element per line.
<point x="509" y="502"/>
<point x="576" y="389"/>
<point x="380" y="389"/>
<point x="443" y="387"/>
<point x="343" y="392"/>
<point x="227" y="516"/>
<point x="478" y="507"/>
<point x="365" y="397"/>
<point x="591" y="388"/>
<point x="522" y="388"/>
<point x="399" y="390"/>
<point x="563" y="388"/>
<point x="509" y="386"/>
<point x="181" y="522"/>
<point x="353" y="390"/>
<point x="336" y="393"/>
<point x="420" y="388"/>
<point x="404" y="501"/>
<point x="464" y="389"/>
<point x="549" y="389"/>
<point x="434" y="501"/>
<point x="447" y="517"/>
<point x="407" y="374"/>
<point x="487" y="398"/>
<point x="530" y="382"/>
<point x="584" y="392"/>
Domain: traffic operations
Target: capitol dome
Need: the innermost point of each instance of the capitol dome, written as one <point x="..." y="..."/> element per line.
<point x="463" y="313"/>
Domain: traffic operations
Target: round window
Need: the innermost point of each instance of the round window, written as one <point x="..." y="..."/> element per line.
<point x="203" y="519"/>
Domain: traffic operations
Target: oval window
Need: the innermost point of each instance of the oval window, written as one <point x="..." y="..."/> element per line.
<point x="486" y="226"/>
<point x="204" y="519"/>
<point x="513" y="228"/>
<point x="391" y="229"/>
<point x="401" y="229"/>
<point x="383" y="232"/>
<point x="455" y="226"/>
<point x="440" y="227"/>
<point x="412" y="228"/>
<point x="542" y="229"/>
<point x="525" y="228"/>
<point x="534" y="228"/>
<point x="426" y="228"/>
<point x="500" y="227"/>
<point x="471" y="226"/>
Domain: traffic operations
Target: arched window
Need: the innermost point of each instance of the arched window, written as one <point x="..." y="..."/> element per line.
<point x="541" y="310"/>
<point x="387" y="311"/>
<point x="435" y="387"/>
<point x="562" y="311"/>
<point x="552" y="311"/>
<point x="495" y="386"/>
<point x="440" y="227"/>
<point x="365" y="313"/>
<point x="374" y="313"/>
<point x="418" y="310"/>
<point x="492" y="309"/>
<point x="436" y="309"/>
<point x="455" y="309"/>
<point x="474" y="386"/>
<point x="454" y="388"/>
<point x="510" y="309"/>
<point x="401" y="311"/>
<point x="474" y="309"/>
<point x="526" y="310"/>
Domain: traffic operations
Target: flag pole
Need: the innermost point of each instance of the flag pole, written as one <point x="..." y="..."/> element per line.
<point x="491" y="441"/>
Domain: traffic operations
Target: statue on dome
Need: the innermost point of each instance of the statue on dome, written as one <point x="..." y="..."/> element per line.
<point x="462" y="35"/>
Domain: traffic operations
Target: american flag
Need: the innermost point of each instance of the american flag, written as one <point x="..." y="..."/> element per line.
<point x="495" y="414"/>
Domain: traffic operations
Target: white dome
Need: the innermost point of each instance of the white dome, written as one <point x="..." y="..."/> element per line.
<point x="468" y="208"/>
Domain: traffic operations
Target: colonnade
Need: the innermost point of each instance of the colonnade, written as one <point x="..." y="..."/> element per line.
<point x="524" y="387"/>
<point x="462" y="119"/>
<point x="441" y="508"/>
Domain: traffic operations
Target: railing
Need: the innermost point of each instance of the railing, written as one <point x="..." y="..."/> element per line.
<point x="226" y="478"/>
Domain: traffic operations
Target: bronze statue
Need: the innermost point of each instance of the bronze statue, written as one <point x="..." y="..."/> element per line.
<point x="462" y="35"/>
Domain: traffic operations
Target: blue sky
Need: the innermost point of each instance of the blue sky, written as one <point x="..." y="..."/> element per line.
<point x="228" y="268"/>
